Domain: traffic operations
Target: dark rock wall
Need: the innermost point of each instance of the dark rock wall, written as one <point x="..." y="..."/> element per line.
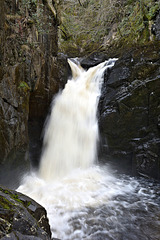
<point x="130" y="112"/>
<point x="14" y="92"/>
<point x="29" y="74"/>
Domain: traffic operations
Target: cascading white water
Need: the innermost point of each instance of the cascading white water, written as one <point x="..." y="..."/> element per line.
<point x="85" y="201"/>
<point x="72" y="130"/>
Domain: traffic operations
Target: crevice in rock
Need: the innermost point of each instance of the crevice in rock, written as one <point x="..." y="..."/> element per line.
<point x="6" y="101"/>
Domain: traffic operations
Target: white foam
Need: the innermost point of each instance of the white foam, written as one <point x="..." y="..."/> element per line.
<point x="68" y="180"/>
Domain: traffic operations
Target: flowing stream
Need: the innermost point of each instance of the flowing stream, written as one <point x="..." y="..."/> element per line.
<point x="83" y="199"/>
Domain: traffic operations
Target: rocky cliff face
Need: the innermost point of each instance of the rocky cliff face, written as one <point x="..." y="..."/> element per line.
<point x="130" y="111"/>
<point x="29" y="73"/>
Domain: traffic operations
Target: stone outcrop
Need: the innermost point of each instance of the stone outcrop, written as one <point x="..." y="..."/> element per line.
<point x="130" y="112"/>
<point x="93" y="60"/>
<point x="21" y="217"/>
<point x="29" y="75"/>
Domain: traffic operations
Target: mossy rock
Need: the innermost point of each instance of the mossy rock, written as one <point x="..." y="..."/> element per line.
<point x="24" y="86"/>
<point x="21" y="215"/>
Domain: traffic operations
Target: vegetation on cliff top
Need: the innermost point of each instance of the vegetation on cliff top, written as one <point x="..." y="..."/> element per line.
<point x="92" y="25"/>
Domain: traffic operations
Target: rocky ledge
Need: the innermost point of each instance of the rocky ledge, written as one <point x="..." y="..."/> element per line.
<point x="22" y="218"/>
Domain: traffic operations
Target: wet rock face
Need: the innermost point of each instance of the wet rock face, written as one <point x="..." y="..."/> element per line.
<point x="40" y="106"/>
<point x="14" y="108"/>
<point x="29" y="75"/>
<point x="21" y="217"/>
<point x="130" y="112"/>
<point x="93" y="60"/>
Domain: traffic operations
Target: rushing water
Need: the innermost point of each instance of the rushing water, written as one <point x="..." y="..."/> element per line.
<point x="84" y="200"/>
<point x="71" y="133"/>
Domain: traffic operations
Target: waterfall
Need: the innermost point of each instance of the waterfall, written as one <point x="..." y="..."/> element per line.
<point x="84" y="200"/>
<point x="71" y="133"/>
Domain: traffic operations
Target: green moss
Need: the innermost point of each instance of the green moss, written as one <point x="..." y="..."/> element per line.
<point x="135" y="27"/>
<point x="15" y="197"/>
<point x="28" y="203"/>
<point x="23" y="85"/>
<point x="6" y="204"/>
<point x="153" y="11"/>
<point x="6" y="191"/>
<point x="118" y="23"/>
<point x="12" y="195"/>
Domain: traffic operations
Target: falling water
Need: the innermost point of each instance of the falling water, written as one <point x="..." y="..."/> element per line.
<point x="72" y="131"/>
<point x="84" y="200"/>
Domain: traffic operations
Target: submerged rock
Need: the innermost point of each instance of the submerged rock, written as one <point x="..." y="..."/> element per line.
<point x="130" y="112"/>
<point x="22" y="218"/>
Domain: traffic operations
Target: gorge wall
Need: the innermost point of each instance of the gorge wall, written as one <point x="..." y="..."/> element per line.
<point x="29" y="74"/>
<point x="129" y="109"/>
<point x="130" y="112"/>
<point x="32" y="72"/>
